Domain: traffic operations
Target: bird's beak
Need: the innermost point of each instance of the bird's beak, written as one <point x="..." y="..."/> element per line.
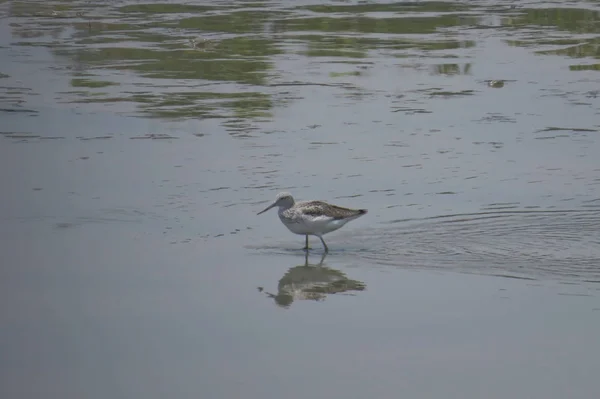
<point x="266" y="209"/>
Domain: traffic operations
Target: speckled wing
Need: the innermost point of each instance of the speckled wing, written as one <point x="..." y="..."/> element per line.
<point x="320" y="208"/>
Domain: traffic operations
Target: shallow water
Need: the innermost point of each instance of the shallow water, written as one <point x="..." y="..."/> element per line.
<point x="139" y="140"/>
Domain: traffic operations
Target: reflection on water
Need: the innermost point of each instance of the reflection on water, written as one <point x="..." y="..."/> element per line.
<point x="562" y="245"/>
<point x="312" y="282"/>
<point x="223" y="60"/>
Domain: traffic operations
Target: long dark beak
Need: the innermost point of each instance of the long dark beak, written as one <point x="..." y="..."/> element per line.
<point x="266" y="209"/>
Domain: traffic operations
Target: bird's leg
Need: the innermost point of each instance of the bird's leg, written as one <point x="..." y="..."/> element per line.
<point x="322" y="259"/>
<point x="306" y="246"/>
<point x="324" y="245"/>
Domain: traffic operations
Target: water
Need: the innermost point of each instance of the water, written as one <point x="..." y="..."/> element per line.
<point x="139" y="140"/>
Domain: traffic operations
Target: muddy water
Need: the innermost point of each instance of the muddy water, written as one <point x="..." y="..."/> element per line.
<point x="139" y="139"/>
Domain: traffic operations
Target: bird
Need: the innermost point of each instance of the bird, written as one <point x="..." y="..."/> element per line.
<point x="315" y="218"/>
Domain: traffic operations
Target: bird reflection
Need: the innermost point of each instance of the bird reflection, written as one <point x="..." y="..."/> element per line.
<point x="312" y="282"/>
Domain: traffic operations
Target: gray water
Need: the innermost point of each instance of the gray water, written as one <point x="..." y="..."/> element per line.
<point x="139" y="140"/>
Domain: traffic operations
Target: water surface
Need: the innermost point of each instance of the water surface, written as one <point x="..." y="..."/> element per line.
<point x="139" y="140"/>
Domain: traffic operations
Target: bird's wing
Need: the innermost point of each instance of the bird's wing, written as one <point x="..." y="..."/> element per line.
<point x="320" y="208"/>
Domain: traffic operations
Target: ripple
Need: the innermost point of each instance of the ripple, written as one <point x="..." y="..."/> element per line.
<point x="518" y="244"/>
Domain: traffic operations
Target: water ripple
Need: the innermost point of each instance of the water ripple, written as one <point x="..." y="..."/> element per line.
<point x="520" y="244"/>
